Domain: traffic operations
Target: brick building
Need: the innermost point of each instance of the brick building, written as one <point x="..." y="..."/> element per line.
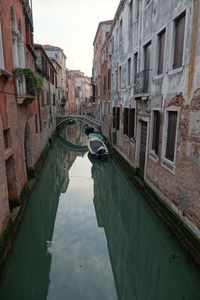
<point x="48" y="98"/>
<point x="70" y="80"/>
<point x="100" y="37"/>
<point x="155" y="95"/>
<point x="58" y="57"/>
<point x="20" y="142"/>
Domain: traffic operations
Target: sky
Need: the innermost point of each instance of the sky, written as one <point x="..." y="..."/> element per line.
<point x="71" y="25"/>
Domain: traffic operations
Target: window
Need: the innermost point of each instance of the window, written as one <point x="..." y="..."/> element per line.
<point x="131" y="131"/>
<point x="42" y="102"/>
<point x="161" y="45"/>
<point x="147" y="57"/>
<point x="118" y="118"/>
<point x="171" y="135"/>
<point x="114" y="117"/>
<point x="137" y="9"/>
<point x="156" y="131"/>
<point x="126" y="113"/>
<point x="179" y="41"/>
<point x="48" y="98"/>
<point x="120" y="77"/>
<point x="129" y="71"/>
<point x="131" y="13"/>
<point x="109" y="79"/>
<point x="6" y="137"/>
<point x="135" y="63"/>
<point x="27" y="59"/>
<point x="116" y="80"/>
<point x="1" y="50"/>
<point x="120" y="30"/>
<point x="36" y="124"/>
<point x="54" y="99"/>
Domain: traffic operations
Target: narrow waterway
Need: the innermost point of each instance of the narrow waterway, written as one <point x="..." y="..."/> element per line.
<point x="87" y="233"/>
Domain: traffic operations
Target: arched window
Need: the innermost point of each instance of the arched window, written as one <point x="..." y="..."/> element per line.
<point x="14" y="34"/>
<point x="1" y="50"/>
<point x="28" y="151"/>
<point x="20" y="46"/>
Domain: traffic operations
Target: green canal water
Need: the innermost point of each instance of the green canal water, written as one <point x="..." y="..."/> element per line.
<point x="87" y="233"/>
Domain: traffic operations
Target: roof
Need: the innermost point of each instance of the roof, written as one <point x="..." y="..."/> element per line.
<point x="53" y="48"/>
<point x="117" y="14"/>
<point x="109" y="22"/>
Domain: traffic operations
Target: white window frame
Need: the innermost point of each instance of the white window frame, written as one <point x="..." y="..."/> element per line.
<point x="152" y="153"/>
<point x="173" y="31"/>
<point x="1" y="50"/>
<point x="166" y="163"/>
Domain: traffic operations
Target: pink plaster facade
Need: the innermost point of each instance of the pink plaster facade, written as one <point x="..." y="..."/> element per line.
<point x="20" y="142"/>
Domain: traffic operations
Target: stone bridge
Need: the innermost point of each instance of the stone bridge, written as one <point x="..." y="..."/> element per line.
<point x="61" y="119"/>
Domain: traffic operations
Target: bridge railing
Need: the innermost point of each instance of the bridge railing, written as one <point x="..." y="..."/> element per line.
<point x="60" y="119"/>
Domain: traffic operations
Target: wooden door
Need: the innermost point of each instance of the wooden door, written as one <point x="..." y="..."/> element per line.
<point x="143" y="144"/>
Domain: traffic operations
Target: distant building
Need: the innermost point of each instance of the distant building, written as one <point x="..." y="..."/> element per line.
<point x="100" y="37"/>
<point x="48" y="98"/>
<point x="70" y="81"/>
<point x="82" y="86"/>
<point x="58" y="58"/>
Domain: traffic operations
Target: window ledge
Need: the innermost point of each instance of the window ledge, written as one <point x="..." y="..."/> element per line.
<point x="141" y="96"/>
<point x="5" y="73"/>
<point x="148" y="5"/>
<point x="160" y="76"/>
<point x="8" y="153"/>
<point x="175" y="71"/>
<point x="25" y="99"/>
<point x="154" y="156"/>
<point x="168" y="165"/>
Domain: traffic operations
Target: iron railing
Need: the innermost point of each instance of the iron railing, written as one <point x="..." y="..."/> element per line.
<point x="141" y="82"/>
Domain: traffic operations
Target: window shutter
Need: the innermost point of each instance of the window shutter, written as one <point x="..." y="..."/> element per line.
<point x="179" y="41"/>
<point x="171" y="135"/>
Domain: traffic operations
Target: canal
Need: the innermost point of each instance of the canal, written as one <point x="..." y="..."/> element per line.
<point x="87" y="233"/>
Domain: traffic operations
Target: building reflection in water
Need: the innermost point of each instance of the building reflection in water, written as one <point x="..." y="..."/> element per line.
<point x="147" y="263"/>
<point x="30" y="252"/>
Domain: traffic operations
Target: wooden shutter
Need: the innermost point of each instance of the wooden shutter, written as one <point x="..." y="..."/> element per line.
<point x="156" y="132"/>
<point x="118" y="118"/>
<point x="129" y="71"/>
<point x="114" y="117"/>
<point x="126" y="111"/>
<point x="171" y="135"/>
<point x="161" y="38"/>
<point x="179" y="41"/>
<point x="135" y="63"/>
<point x="131" y="123"/>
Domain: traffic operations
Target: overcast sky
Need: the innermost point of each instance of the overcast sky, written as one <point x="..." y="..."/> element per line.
<point x="71" y="25"/>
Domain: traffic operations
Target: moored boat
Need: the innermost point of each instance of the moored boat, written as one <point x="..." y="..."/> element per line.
<point x="97" y="148"/>
<point x="96" y="135"/>
<point x="89" y="129"/>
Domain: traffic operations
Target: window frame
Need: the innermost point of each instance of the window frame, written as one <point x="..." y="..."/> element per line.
<point x="163" y="31"/>
<point x="2" y="64"/>
<point x="175" y="20"/>
<point x="166" y="163"/>
<point x="153" y="155"/>
<point x="129" y="71"/>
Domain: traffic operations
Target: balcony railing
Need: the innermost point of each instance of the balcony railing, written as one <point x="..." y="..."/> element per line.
<point x="141" y="83"/>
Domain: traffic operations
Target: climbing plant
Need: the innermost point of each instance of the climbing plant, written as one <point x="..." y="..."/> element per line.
<point x="34" y="82"/>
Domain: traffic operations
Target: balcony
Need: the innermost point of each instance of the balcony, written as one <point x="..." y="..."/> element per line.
<point x="28" y="84"/>
<point x="141" y="83"/>
<point x="25" y="93"/>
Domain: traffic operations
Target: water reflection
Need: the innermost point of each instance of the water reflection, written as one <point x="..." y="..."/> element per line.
<point x="88" y="234"/>
<point x="146" y="261"/>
